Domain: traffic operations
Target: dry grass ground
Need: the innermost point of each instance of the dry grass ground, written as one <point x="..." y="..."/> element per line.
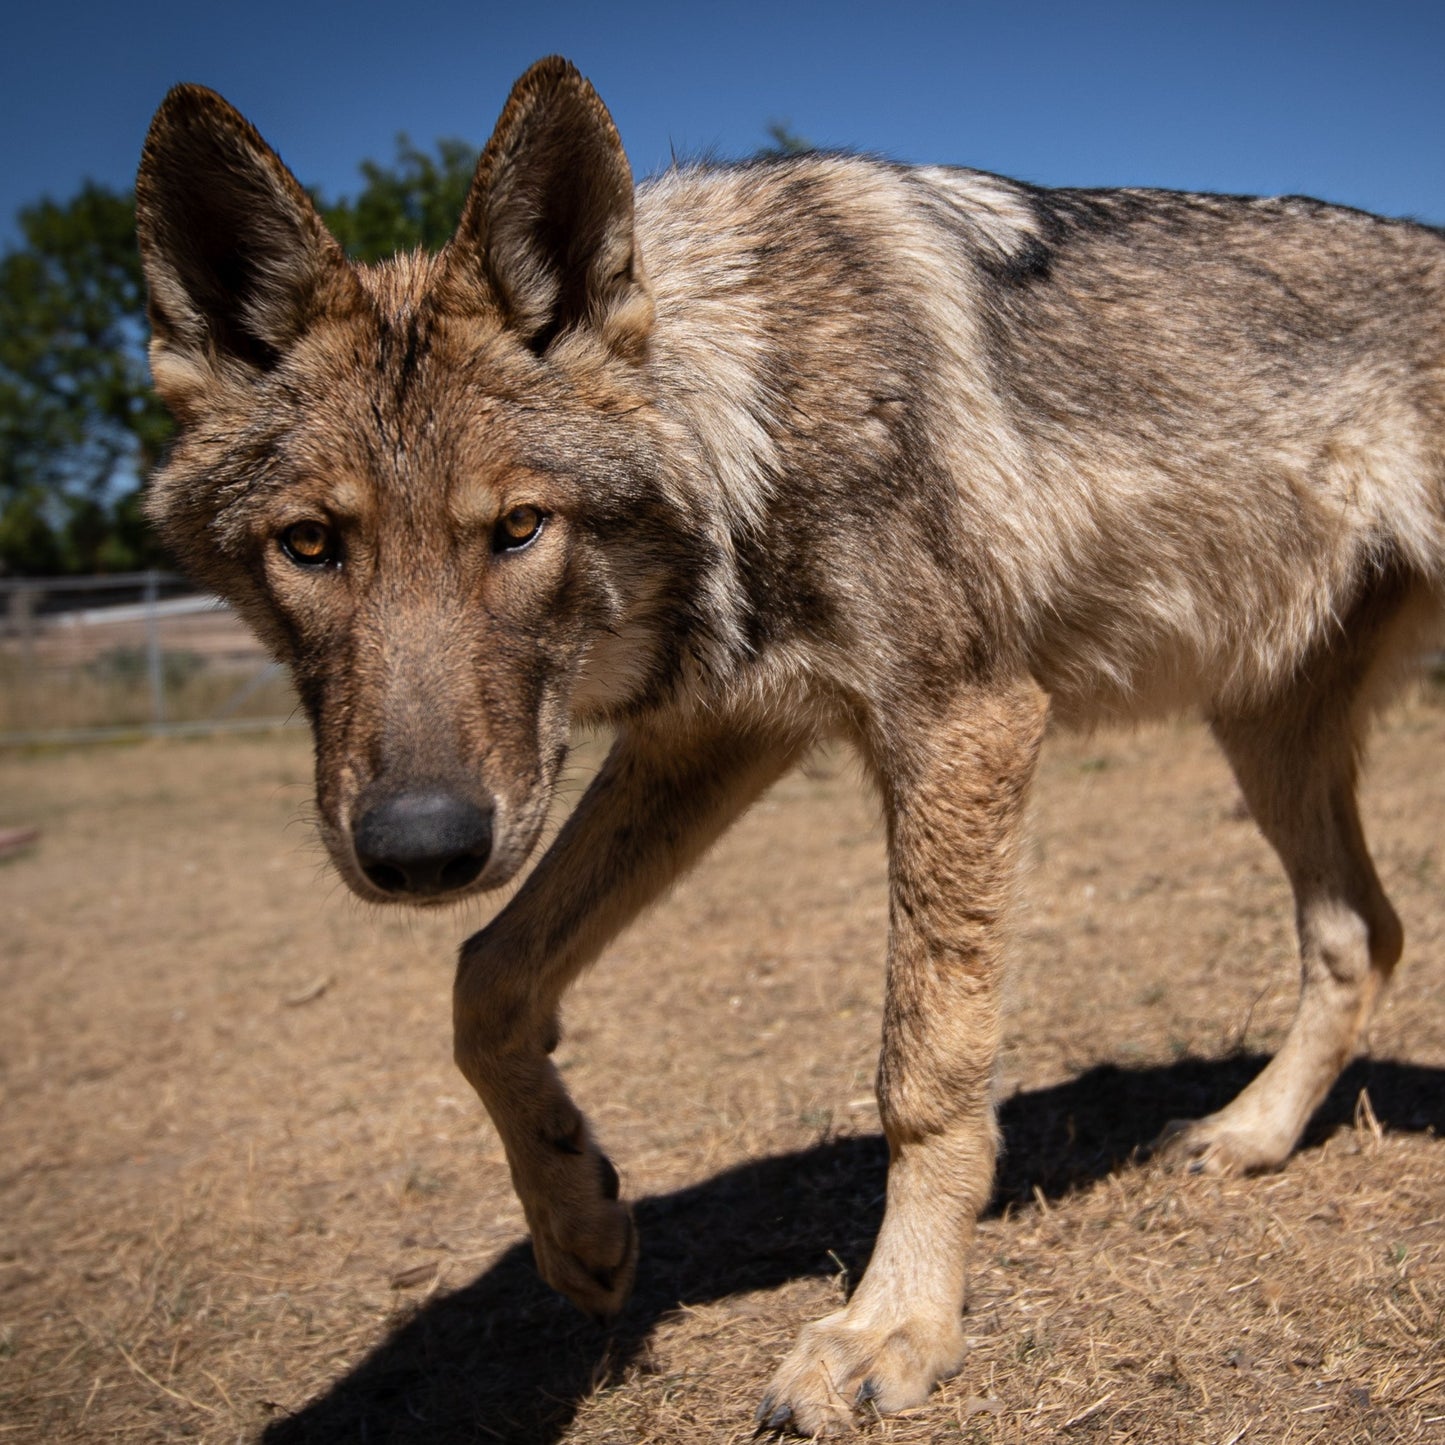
<point x="245" y="1196"/>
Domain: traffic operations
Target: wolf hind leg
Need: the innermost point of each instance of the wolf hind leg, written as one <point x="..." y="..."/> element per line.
<point x="1296" y="765"/>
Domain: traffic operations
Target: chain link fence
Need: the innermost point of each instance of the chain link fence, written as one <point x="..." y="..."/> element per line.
<point x="91" y="657"/>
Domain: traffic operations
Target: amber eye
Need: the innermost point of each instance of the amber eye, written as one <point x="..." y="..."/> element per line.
<point x="309" y="544"/>
<point x="516" y="528"/>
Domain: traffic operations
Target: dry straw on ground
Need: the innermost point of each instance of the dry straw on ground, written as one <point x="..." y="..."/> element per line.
<point x="246" y="1196"/>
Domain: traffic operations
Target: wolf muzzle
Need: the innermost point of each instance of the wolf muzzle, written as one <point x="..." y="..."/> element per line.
<point x="422" y="841"/>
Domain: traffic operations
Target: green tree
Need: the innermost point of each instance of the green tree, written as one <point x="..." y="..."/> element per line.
<point x="78" y="424"/>
<point x="783" y="140"/>
<point x="415" y="202"/>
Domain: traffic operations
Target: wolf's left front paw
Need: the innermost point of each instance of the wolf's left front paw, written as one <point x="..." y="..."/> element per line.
<point x="591" y="1260"/>
<point x="842" y="1363"/>
<point x="583" y="1236"/>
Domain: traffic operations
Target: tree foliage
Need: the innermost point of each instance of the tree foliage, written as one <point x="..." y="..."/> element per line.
<point x="783" y="140"/>
<point x="415" y="202"/>
<point x="78" y="424"/>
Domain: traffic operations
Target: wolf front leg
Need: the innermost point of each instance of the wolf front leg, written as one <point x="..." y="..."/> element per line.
<point x="954" y="793"/>
<point x="650" y="813"/>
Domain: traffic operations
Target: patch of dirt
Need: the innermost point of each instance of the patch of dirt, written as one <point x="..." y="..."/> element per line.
<point x="247" y="1197"/>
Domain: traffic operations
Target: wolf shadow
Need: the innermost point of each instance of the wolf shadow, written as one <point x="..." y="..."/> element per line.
<point x="504" y="1358"/>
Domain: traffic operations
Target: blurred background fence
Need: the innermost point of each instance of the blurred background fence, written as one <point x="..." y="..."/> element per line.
<point x="84" y="657"/>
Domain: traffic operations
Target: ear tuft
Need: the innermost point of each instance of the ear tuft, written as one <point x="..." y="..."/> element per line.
<point x="548" y="222"/>
<point x="235" y="255"/>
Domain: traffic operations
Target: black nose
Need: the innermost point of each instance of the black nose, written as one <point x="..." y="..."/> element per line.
<point x="426" y="841"/>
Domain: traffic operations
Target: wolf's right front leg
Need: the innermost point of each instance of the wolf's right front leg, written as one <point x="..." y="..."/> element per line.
<point x="650" y="813"/>
<point x="954" y="791"/>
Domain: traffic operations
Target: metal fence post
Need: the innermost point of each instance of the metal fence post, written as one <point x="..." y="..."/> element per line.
<point x="20" y="624"/>
<point x="153" y="648"/>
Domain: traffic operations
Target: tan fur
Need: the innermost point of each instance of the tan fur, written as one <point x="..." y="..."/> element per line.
<point x="749" y="457"/>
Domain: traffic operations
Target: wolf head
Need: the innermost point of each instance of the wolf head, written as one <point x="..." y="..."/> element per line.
<point x="432" y="485"/>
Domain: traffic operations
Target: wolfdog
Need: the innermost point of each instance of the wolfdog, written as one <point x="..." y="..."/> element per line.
<point x="753" y="455"/>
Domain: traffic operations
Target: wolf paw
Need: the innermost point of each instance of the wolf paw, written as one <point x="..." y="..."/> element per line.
<point x="1213" y="1146"/>
<point x="584" y="1240"/>
<point x="841" y="1365"/>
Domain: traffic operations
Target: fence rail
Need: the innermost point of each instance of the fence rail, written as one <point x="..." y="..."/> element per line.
<point x="97" y="657"/>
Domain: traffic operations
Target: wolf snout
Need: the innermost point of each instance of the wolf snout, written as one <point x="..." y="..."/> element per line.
<point x="422" y="841"/>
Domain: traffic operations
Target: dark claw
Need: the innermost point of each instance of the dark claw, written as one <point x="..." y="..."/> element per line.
<point x="869" y="1390"/>
<point x="604" y="1316"/>
<point x="605" y="1276"/>
<point x="611" y="1184"/>
<point x="772" y="1417"/>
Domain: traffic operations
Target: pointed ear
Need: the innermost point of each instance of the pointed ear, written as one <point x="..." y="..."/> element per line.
<point x="236" y="258"/>
<point x="547" y="225"/>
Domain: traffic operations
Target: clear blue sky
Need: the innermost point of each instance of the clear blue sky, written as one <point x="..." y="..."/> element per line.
<point x="1344" y="101"/>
